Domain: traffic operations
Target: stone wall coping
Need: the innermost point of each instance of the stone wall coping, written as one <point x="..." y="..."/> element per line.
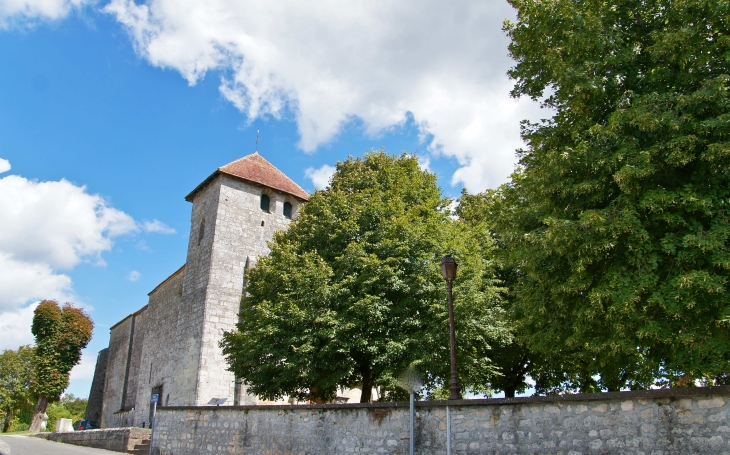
<point x="168" y="279"/>
<point x="144" y="308"/>
<point x="134" y="431"/>
<point x="627" y="395"/>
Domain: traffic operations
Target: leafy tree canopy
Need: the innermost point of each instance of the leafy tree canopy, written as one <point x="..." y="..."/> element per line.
<point x="618" y="216"/>
<point x="76" y="406"/>
<point x="16" y="375"/>
<point x="351" y="293"/>
<point x="60" y="333"/>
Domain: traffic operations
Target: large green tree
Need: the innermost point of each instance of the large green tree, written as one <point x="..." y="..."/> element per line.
<point x="60" y="334"/>
<point x="618" y="215"/>
<point x="16" y="374"/>
<point x="351" y="294"/>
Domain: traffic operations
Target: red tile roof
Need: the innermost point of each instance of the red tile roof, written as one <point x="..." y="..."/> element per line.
<point x="254" y="168"/>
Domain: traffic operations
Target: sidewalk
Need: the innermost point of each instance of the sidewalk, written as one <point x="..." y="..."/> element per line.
<point x="24" y="445"/>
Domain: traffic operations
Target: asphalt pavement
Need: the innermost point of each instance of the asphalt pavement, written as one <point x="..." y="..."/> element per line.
<point x="26" y="445"/>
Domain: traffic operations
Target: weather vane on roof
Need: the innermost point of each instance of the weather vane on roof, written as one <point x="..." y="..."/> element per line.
<point x="257" y="141"/>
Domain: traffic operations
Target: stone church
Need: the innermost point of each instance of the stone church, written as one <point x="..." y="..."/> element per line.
<point x="169" y="348"/>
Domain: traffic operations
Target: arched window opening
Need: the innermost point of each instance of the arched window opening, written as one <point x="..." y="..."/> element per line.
<point x="265" y="203"/>
<point x="201" y="231"/>
<point x="287" y="210"/>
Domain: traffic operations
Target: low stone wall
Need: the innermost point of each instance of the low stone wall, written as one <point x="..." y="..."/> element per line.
<point x="675" y="421"/>
<point x="115" y="439"/>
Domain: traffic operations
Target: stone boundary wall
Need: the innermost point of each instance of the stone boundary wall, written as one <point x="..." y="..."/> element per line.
<point x="656" y="422"/>
<point x="116" y="439"/>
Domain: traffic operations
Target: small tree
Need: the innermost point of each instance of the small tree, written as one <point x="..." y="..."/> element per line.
<point x="60" y="333"/>
<point x="16" y="373"/>
<point x="76" y="406"/>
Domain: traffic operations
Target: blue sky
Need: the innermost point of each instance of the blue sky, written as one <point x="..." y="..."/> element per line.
<point x="111" y="112"/>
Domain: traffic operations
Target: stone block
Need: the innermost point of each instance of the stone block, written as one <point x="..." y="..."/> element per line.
<point x="714" y="402"/>
<point x="601" y="407"/>
<point x="684" y="404"/>
<point x="688" y="418"/>
<point x="64" y="426"/>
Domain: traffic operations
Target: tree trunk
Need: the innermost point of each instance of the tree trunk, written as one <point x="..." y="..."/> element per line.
<point x="8" y="418"/>
<point x="367" y="383"/>
<point x="40" y="409"/>
<point x="509" y="392"/>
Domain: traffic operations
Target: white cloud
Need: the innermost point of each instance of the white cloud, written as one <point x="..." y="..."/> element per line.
<point x="85" y="368"/>
<point x="21" y="282"/>
<point x="157" y="226"/>
<point x="134" y="276"/>
<point x="23" y="11"/>
<point x="4" y="165"/>
<point x="56" y="223"/>
<point x="45" y="228"/>
<point x="15" y="327"/>
<point x="320" y="176"/>
<point x="331" y="61"/>
<point x="424" y="163"/>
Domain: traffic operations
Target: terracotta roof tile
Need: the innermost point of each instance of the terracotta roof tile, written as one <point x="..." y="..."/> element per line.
<point x="254" y="168"/>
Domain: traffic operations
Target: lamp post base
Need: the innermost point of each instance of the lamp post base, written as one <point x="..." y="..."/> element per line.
<point x="455" y="390"/>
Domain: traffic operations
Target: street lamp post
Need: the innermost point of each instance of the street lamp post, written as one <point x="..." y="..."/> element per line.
<point x="448" y="270"/>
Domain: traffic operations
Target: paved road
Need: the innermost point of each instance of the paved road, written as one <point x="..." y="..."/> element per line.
<point x="24" y="445"/>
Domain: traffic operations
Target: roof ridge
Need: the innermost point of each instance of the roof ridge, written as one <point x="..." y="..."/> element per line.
<point x="257" y="169"/>
<point x="263" y="172"/>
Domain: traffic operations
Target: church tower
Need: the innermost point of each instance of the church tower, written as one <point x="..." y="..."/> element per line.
<point x="169" y="350"/>
<point x="236" y="211"/>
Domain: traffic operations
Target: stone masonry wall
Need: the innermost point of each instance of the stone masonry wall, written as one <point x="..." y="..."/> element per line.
<point x="242" y="231"/>
<point x="160" y="355"/>
<point x="657" y="422"/>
